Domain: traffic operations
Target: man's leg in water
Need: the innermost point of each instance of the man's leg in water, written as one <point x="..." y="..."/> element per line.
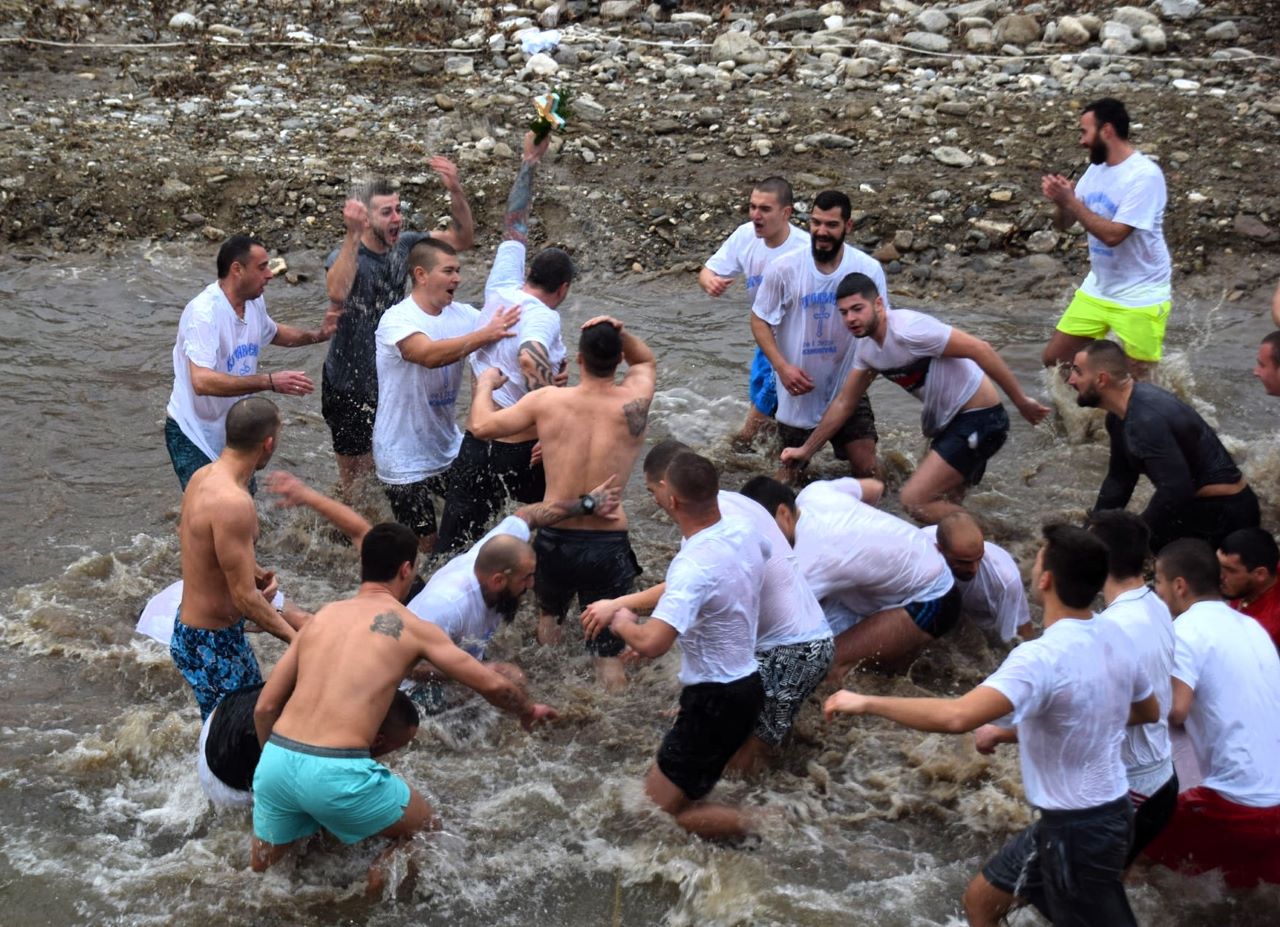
<point x="351" y="469"/>
<point x="705" y="819"/>
<point x="933" y="491"/>
<point x="984" y="904"/>
<point x="861" y="455"/>
<point x="887" y="640"/>
<point x="418" y="817"/>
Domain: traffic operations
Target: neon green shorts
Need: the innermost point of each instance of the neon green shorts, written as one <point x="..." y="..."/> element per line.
<point x="1140" y="328"/>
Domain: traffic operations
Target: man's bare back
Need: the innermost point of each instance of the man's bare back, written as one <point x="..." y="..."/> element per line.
<point x="215" y="513"/>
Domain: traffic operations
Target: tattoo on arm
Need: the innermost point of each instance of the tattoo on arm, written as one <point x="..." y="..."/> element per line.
<point x="387" y="623"/>
<point x="637" y="415"/>
<point x="511" y="699"/>
<point x="541" y="361"/>
<point x="518" y="200"/>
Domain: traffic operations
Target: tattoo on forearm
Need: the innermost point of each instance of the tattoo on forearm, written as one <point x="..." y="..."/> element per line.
<point x="637" y="415"/>
<point x="518" y="201"/>
<point x="387" y="623"/>
<point x="512" y="700"/>
<point x="542" y="371"/>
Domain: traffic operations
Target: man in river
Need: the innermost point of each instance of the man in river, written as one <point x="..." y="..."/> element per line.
<point x="952" y="373"/>
<point x="318" y="714"/>
<point x="222" y="586"/>
<point x="215" y="359"/>
<point x="588" y="432"/>
<point x="365" y="276"/>
<point x="991" y="591"/>
<point x="1267" y="368"/>
<point x="1199" y="490"/>
<point x="747" y="252"/>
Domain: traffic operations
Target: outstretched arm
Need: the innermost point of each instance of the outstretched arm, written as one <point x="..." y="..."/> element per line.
<point x="516" y="221"/>
<point x="976" y="707"/>
<point x="651" y="639"/>
<point x="962" y="344"/>
<point x="293" y="492"/>
<point x="461" y="232"/>
<point x="342" y="273"/>
<point x="838" y="411"/>
<point x="422" y="349"/>
<point x="607" y="498"/>
<point x="598" y="615"/>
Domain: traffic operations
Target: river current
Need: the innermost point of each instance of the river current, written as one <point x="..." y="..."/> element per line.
<point x="102" y="820"/>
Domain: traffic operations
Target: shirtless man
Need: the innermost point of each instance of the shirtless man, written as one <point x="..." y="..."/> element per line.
<point x="318" y="714"/>
<point x="222" y="586"/>
<point x="588" y="432"/>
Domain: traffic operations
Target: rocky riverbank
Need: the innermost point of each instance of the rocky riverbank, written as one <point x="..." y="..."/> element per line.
<point x="154" y="120"/>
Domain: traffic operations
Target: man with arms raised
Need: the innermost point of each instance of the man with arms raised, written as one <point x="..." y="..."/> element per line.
<point x="794" y="323"/>
<point x="215" y="359"/>
<point x="487" y="473"/>
<point x="1071" y="692"/>
<point x="1199" y="490"/>
<point x="886" y="590"/>
<point x="420" y="346"/>
<point x="319" y="712"/>
<point x="753" y="246"/>
<point x="1226" y="686"/>
<point x="1248" y="559"/>
<point x="366" y="275"/>
<point x="991" y="593"/>
<point x="711" y="604"/>
<point x="222" y="587"/>
<point x="589" y="433"/>
<point x="953" y="374"/>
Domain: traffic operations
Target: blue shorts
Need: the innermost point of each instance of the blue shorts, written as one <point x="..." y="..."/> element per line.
<point x="971" y="439"/>
<point x="183" y="453"/>
<point x="298" y="789"/>
<point x="214" y="663"/>
<point x="937" y="616"/>
<point x="763" y="385"/>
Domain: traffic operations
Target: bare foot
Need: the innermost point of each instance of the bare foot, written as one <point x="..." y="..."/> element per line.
<point x="549" y="630"/>
<point x="611" y="674"/>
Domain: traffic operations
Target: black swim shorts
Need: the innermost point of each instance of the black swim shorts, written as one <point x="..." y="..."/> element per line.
<point x="937" y="616"/>
<point x="350" y="420"/>
<point x="411" y="503"/>
<point x="715" y="719"/>
<point x="484" y="475"/>
<point x="861" y="424"/>
<point x="1151" y="814"/>
<point x="971" y="439"/>
<point x="591" y="565"/>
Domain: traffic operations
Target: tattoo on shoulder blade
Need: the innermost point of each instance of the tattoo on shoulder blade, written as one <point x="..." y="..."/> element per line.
<point x="542" y="373"/>
<point x="637" y="414"/>
<point x="387" y="623"/>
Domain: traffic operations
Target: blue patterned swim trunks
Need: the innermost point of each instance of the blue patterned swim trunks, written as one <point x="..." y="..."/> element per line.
<point x="214" y="663"/>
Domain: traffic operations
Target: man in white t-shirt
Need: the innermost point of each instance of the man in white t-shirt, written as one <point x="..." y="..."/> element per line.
<point x="1071" y="693"/>
<point x="794" y="646"/>
<point x="793" y="319"/>
<point x="885" y="589"/>
<point x="711" y="605"/>
<point x="487" y="473"/>
<point x="1226" y="689"/>
<point x="1120" y="202"/>
<point x="753" y="246"/>
<point x="949" y="371"/>
<point x="215" y="358"/>
<point x="991" y="593"/>
<point x="419" y="347"/>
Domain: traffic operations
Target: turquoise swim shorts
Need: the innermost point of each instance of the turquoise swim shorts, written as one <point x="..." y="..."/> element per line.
<point x="298" y="789"/>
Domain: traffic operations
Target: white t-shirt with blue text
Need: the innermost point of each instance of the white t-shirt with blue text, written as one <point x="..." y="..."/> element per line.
<point x="1137" y="271"/>
<point x="746" y="255"/>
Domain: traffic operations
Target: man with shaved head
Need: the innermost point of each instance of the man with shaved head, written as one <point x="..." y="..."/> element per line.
<point x="1199" y="490"/>
<point x="991" y="591"/>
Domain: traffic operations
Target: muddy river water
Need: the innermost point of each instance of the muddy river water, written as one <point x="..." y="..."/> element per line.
<point x="101" y="817"/>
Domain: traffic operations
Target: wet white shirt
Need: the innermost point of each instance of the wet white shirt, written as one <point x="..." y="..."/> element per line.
<point x="745" y="255"/>
<point x="538" y="323"/>
<point x="1071" y="690"/>
<point x="1137" y="271"/>
<point x="911" y="357"/>
<point x="211" y="335"/>
<point x="1234" y="722"/>
<point x="452" y="599"/>
<point x="864" y="559"/>
<point x="415" y="434"/>
<point x="994" y="599"/>
<point x="1145" y="620"/>
<point x="800" y="303"/>
<point x="712" y="600"/>
<point x="789" y="611"/>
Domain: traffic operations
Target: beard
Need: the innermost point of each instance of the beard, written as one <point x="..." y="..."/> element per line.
<point x="825" y="250"/>
<point x="506" y="605"/>
<point x="1088" y="398"/>
<point x="1098" y="152"/>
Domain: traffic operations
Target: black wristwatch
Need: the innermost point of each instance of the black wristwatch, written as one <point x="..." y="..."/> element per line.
<point x="588" y="503"/>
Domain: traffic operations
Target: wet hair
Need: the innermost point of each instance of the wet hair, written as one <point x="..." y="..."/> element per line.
<point x="601" y="348"/>
<point x="1127" y="539"/>
<point x="1272" y="341"/>
<point x="1078" y="562"/>
<point x="953" y="524"/>
<point x="769" y="493"/>
<point x="551" y="269"/>
<point x="1254" y="546"/>
<point x="660" y="457"/>
<point x="500" y="554"/>
<point x="856" y="284"/>
<point x="235" y="250"/>
<point x="375" y="186"/>
<point x="1110" y="111"/>
<point x="779" y="187"/>
<point x="384" y="548"/>
<point x="426" y="253"/>
<point x="250" y="422"/>
<point x="834" y="199"/>
<point x="693" y="479"/>
<point x="401" y="713"/>
<point x="1107" y="357"/>
<point x="1194" y="561"/>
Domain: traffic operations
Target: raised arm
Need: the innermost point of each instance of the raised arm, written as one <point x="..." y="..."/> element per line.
<point x="461" y="232"/>
<point x="516" y="220"/>
<point x="292" y="492"/>
<point x="430" y="352"/>
<point x="342" y="273"/>
<point x="233" y="547"/>
<point x="486" y="421"/>
<point x="962" y="344"/>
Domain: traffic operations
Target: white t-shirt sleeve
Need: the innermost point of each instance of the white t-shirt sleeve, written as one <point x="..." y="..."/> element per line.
<point x="687" y="590"/>
<point x="1021" y="680"/>
<point x="768" y="304"/>
<point x="1142" y="202"/>
<point x="269" y="329"/>
<point x="200" y="340"/>
<point x="1014" y="611"/>
<point x="727" y="262"/>
<point x="395" y="327"/>
<point x="1186" y="656"/>
<point x="508" y="267"/>
<point x="542" y="327"/>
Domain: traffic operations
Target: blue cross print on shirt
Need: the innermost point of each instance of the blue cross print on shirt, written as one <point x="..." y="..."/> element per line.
<point x="821" y="314"/>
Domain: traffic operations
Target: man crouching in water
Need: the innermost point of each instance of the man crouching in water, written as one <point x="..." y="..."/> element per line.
<point x="319" y="712"/>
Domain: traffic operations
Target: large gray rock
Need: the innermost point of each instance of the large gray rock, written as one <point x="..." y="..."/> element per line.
<point x="1153" y="39"/>
<point x="828" y="140"/>
<point x="984" y="8"/>
<point x="799" y="21"/>
<point x="618" y="9"/>
<point x="1222" y="32"/>
<point x="952" y="157"/>
<point x="1134" y="18"/>
<point x="1017" y="29"/>
<point x="739" y="48"/>
<point x="1072" y="32"/>
<point x="1118" y="39"/>
<point x="1179" y="9"/>
<point x="933" y="20"/>
<point x="980" y="40"/>
<point x="926" y="41"/>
